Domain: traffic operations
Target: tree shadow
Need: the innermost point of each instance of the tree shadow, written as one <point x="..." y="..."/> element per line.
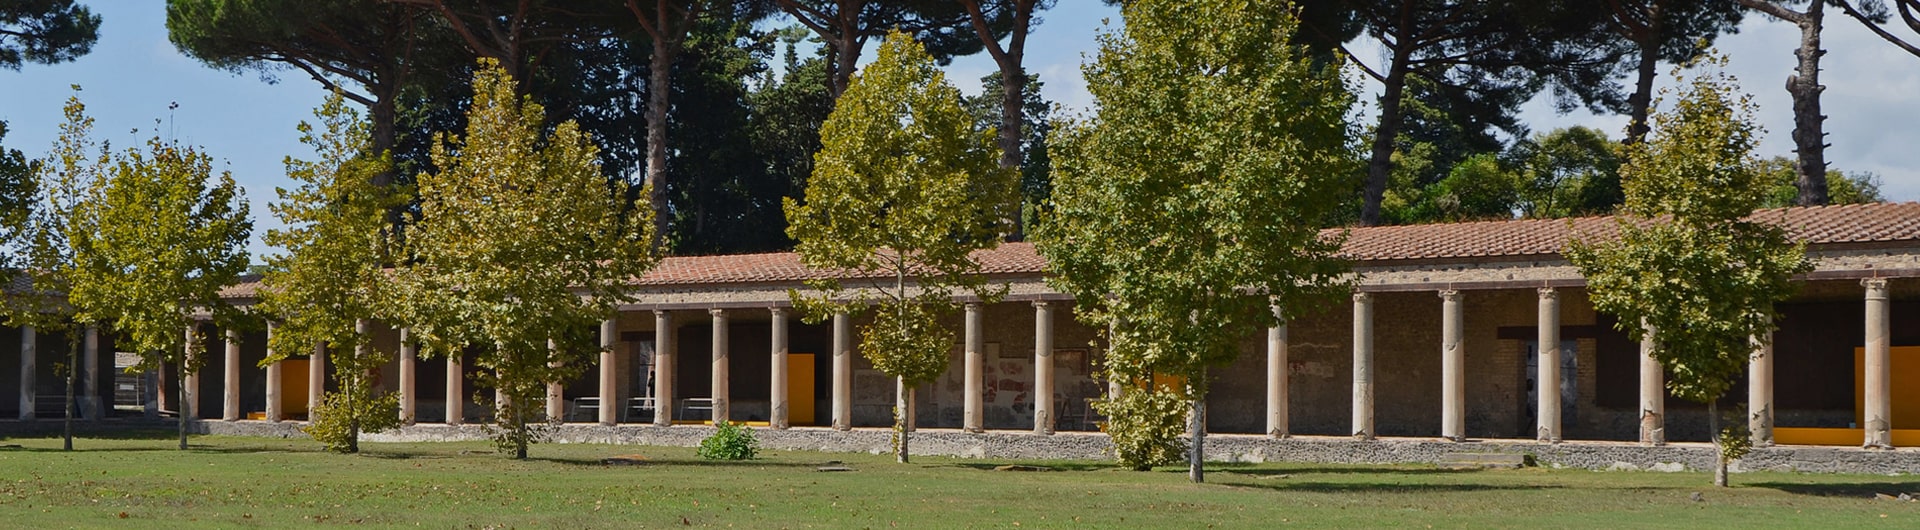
<point x="1378" y="487"/>
<point x="1347" y="471"/>
<point x="1049" y="466"/>
<point x="1850" y="489"/>
<point x="690" y="462"/>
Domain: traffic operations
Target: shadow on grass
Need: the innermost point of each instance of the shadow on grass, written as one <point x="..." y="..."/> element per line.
<point x="1379" y="487"/>
<point x="691" y="462"/>
<point x="1855" y="490"/>
<point x="1344" y="471"/>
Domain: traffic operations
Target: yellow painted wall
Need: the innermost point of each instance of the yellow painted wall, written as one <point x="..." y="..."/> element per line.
<point x="1905" y="371"/>
<point x="800" y="388"/>
<point x="293" y="387"/>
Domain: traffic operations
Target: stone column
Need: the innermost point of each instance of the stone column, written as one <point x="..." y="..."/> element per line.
<point x="1760" y="393"/>
<point x="456" y="409"/>
<point x="1548" y="375"/>
<point x="777" y="393"/>
<point x="972" y="414"/>
<point x="275" y="412"/>
<point x="722" y="404"/>
<point x="191" y="408"/>
<point x="1277" y="369"/>
<point x="1363" y="366"/>
<point x="1653" y="392"/>
<point x="90" y="366"/>
<point x="611" y="403"/>
<point x="1453" y="369"/>
<point x="1878" y="413"/>
<point x="29" y="350"/>
<point x="556" y="392"/>
<point x="230" y="398"/>
<point x="1043" y="414"/>
<point x="842" y="371"/>
<point x="663" y="354"/>
<point x="316" y="378"/>
<point x="409" y="386"/>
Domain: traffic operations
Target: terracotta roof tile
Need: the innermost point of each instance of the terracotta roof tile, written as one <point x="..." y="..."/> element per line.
<point x="1860" y="223"/>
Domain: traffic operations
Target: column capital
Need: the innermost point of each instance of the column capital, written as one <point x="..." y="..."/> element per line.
<point x="973" y="306"/>
<point x="1548" y="293"/>
<point x="1039" y="303"/>
<point x="1876" y="287"/>
<point x="661" y="312"/>
<point x="777" y="311"/>
<point x="1362" y="296"/>
<point x="1450" y="295"/>
<point x="717" y="312"/>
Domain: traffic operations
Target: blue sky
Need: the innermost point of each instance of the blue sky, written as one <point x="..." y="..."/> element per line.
<point x="133" y="74"/>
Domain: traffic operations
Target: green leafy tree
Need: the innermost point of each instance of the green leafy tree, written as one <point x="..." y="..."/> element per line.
<point x="330" y="278"/>
<point x="1691" y="262"/>
<point x="1036" y="161"/>
<point x="157" y="236"/>
<point x="41" y="225"/>
<point x="520" y="250"/>
<point x="1566" y="173"/>
<point x="45" y="32"/>
<point x="17" y="191"/>
<point x="1842" y="188"/>
<point x="903" y="191"/>
<point x="1191" y="202"/>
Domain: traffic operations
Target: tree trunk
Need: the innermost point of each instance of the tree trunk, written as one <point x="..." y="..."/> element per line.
<point x="659" y="94"/>
<point x="846" y="57"/>
<point x="1013" y="84"/>
<point x="1809" y="139"/>
<point x="1381" y="163"/>
<point x="73" y="378"/>
<point x="1719" y="452"/>
<point x="1197" y="431"/>
<point x="1641" y="101"/>
<point x="186" y="407"/>
<point x="902" y="416"/>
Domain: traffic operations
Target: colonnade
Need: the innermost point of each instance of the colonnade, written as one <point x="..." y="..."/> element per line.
<point x="1876" y="409"/>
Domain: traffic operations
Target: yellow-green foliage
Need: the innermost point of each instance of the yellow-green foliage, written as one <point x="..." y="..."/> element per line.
<point x="520" y="251"/>
<point x="331" y="275"/>
<point x="731" y="441"/>
<point x="1688" y="262"/>
<point x="1193" y="199"/>
<point x="1145" y="426"/>
<point x="904" y="189"/>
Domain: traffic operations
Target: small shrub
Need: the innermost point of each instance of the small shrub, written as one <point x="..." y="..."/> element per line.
<point x="339" y="421"/>
<point x="1145" y="427"/>
<point x="730" y="442"/>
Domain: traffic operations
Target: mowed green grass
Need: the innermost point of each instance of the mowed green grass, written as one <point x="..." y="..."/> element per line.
<point x="227" y="482"/>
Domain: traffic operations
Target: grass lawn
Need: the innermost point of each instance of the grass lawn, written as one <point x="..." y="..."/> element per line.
<point x="141" y="482"/>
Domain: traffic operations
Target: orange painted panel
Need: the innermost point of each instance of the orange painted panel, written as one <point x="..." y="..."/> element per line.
<point x="800" y="389"/>
<point x="293" y="387"/>
<point x="1905" y="368"/>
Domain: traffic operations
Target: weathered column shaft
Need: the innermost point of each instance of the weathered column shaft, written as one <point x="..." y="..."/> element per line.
<point x="409" y="384"/>
<point x="664" y="343"/>
<point x="90" y="370"/>
<point x="1653" y="392"/>
<point x="973" y="413"/>
<point x="842" y="371"/>
<point x="1548" y="375"/>
<point x="1878" y="413"/>
<point x="316" y="379"/>
<point x="230" y="384"/>
<point x="191" y="408"/>
<point x="29" y="352"/>
<point x="1453" y="368"/>
<point x="275" y="386"/>
<point x="722" y="405"/>
<point x="556" y="391"/>
<point x="777" y="389"/>
<point x="456" y="409"/>
<point x="1044" y="415"/>
<point x="610" y="399"/>
<point x="1277" y="372"/>
<point x="1363" y="366"/>
<point x="1760" y="392"/>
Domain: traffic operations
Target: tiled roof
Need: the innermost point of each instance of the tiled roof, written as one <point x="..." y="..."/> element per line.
<point x="1821" y="225"/>
<point x="1010" y="258"/>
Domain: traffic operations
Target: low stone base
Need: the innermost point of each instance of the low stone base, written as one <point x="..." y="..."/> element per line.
<point x="1093" y="446"/>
